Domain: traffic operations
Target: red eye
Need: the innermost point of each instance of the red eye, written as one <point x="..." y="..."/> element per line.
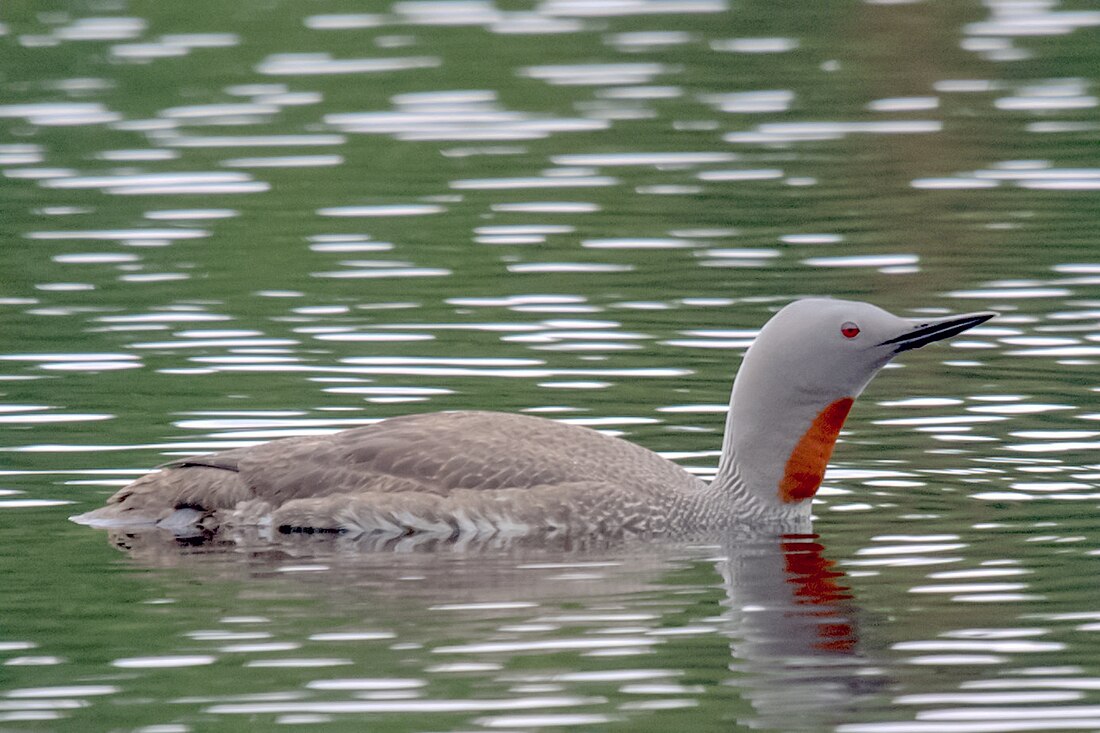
<point x="849" y="330"/>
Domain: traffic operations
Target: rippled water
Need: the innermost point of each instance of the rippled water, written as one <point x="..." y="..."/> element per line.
<point x="248" y="221"/>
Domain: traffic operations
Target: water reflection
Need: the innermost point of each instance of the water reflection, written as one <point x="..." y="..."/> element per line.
<point x="224" y="230"/>
<point x="456" y="116"/>
<point x="784" y="614"/>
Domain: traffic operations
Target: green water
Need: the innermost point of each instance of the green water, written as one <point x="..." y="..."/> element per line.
<point x="226" y="223"/>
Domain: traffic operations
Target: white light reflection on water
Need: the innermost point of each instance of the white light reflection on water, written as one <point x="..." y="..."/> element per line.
<point x="612" y="8"/>
<point x="1034" y="174"/>
<point x="548" y="207"/>
<point x="532" y="182"/>
<point x="883" y="469"/>
<point x="401" y="706"/>
<point x="313" y="64"/>
<point x="568" y="267"/>
<point x="41" y="418"/>
<point x="174" y="140"/>
<point x="191" y="214"/>
<point x="792" y="132"/>
<point x="343" y="21"/>
<point x="286" y="161"/>
<point x="758" y="102"/>
<point x="384" y="272"/>
<point x="198" y="341"/>
<point x="455" y="116"/>
<point x="121" y="234"/>
<point x="660" y="160"/>
<point x="96" y="258"/>
<point x="596" y="74"/>
<point x="885" y="262"/>
<point x="78" y="362"/>
<point x="212" y="113"/>
<point x="60" y="114"/>
<point x="31" y="503"/>
<point x="164" y="662"/>
<point x="164" y="183"/>
<point x="386" y="210"/>
<point x="297" y="663"/>
<point x="101" y="29"/>
<point x="756" y="45"/>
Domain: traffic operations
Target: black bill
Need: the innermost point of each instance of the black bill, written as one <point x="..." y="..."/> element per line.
<point x="925" y="332"/>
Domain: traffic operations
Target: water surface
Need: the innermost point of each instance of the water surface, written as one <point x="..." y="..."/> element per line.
<point x="244" y="222"/>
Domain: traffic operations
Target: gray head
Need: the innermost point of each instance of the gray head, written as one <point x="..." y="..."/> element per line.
<point x="796" y="384"/>
<point x="834" y="347"/>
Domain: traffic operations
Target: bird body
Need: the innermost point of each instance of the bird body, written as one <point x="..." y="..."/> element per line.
<point x="457" y="474"/>
<point x="443" y="473"/>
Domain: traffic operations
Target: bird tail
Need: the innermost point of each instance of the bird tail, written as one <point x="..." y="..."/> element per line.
<point x="177" y="499"/>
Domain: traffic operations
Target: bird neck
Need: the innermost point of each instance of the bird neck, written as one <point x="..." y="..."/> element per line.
<point x="776" y="446"/>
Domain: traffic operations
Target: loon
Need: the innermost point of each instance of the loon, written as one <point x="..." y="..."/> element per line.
<point x="476" y="473"/>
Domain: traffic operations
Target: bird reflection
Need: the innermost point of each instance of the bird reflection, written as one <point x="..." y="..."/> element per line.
<point x="790" y="620"/>
<point x="794" y="633"/>
<point x="816" y="586"/>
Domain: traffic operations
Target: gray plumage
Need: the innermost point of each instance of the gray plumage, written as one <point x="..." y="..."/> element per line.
<point x="448" y="474"/>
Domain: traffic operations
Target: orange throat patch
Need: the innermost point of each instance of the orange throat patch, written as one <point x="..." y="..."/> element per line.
<point x="806" y="466"/>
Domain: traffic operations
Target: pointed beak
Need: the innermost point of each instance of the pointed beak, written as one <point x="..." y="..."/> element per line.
<point x="927" y="331"/>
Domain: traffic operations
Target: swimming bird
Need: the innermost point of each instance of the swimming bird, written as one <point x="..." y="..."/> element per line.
<point x="472" y="473"/>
